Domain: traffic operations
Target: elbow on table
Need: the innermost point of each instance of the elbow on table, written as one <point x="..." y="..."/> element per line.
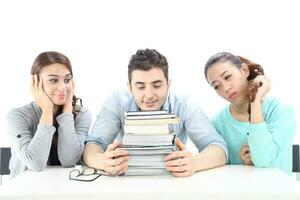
<point x="261" y="161"/>
<point x="37" y="166"/>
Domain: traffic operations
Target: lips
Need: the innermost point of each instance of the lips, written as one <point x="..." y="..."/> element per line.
<point x="150" y="103"/>
<point x="232" y="95"/>
<point x="61" y="96"/>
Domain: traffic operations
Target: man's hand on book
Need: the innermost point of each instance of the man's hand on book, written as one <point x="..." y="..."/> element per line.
<point x="115" y="160"/>
<point x="180" y="163"/>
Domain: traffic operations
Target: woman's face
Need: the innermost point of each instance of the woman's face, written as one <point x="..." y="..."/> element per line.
<point x="229" y="81"/>
<point x="57" y="82"/>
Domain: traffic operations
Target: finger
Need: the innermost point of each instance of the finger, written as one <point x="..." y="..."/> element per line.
<point x="35" y="82"/>
<point x="245" y="148"/>
<point x="113" y="146"/>
<point x="174" y="155"/>
<point x="73" y="83"/>
<point x="118" y="161"/>
<point x="182" y="174"/>
<point x="177" y="162"/>
<point x="32" y="82"/>
<point x="248" y="156"/>
<point x="116" y="153"/>
<point x="177" y="168"/>
<point x="179" y="144"/>
<point x="122" y="172"/>
<point x="248" y="161"/>
<point x="40" y="85"/>
<point x="113" y="170"/>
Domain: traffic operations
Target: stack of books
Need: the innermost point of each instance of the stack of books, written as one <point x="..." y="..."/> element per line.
<point x="148" y="138"/>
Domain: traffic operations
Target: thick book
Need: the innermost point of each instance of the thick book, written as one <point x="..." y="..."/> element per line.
<point x="174" y="120"/>
<point x="147" y="129"/>
<point x="148" y="140"/>
<point x="146" y="151"/>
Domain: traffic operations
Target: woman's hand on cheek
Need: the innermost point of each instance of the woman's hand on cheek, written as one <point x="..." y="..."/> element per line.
<point x="68" y="107"/>
<point x="39" y="95"/>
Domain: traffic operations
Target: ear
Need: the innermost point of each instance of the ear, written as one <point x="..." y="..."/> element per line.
<point x="245" y="70"/>
<point x="129" y="87"/>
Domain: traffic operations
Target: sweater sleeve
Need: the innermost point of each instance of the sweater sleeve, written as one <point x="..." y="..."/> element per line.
<point x="71" y="136"/>
<point x="269" y="140"/>
<point x="32" y="148"/>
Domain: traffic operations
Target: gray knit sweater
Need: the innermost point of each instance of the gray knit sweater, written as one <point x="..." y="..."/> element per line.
<point x="31" y="140"/>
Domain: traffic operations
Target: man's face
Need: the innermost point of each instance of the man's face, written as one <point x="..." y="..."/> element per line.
<point x="149" y="88"/>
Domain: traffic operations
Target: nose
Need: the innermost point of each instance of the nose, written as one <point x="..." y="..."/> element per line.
<point x="61" y="86"/>
<point x="227" y="87"/>
<point x="148" y="93"/>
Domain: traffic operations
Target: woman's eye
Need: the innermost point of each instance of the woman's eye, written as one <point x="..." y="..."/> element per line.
<point x="67" y="80"/>
<point x="227" y="77"/>
<point x="157" y="86"/>
<point x="216" y="87"/>
<point x="53" y="80"/>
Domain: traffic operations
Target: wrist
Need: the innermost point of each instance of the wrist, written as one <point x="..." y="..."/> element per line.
<point x="68" y="108"/>
<point x="47" y="118"/>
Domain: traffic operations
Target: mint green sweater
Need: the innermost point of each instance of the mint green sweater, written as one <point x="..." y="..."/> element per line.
<point x="270" y="142"/>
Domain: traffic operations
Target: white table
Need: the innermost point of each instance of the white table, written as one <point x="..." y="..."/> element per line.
<point x="227" y="182"/>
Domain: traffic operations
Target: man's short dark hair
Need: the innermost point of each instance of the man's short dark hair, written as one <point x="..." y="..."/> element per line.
<point x="146" y="60"/>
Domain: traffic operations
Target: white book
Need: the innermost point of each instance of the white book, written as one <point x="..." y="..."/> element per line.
<point x="163" y="116"/>
<point x="147" y="129"/>
<point x="138" y="113"/>
<point x="146" y="159"/>
<point x="174" y="120"/>
<point x="148" y="140"/>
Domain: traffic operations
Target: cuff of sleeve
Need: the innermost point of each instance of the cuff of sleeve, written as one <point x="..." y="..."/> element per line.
<point x="256" y="130"/>
<point x="102" y="144"/>
<point x="48" y="128"/>
<point x="64" y="116"/>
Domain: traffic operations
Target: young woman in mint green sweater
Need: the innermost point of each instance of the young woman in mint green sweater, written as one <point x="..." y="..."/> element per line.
<point x="258" y="129"/>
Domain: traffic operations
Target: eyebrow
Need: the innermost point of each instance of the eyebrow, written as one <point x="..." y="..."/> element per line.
<point x="220" y="76"/>
<point x="154" y="82"/>
<point x="58" y="76"/>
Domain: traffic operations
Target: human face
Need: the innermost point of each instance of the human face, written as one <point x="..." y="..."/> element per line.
<point x="229" y="81"/>
<point x="57" y="82"/>
<point x="149" y="88"/>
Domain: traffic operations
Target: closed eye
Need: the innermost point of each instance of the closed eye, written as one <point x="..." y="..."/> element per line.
<point x="227" y="77"/>
<point x="140" y="87"/>
<point x="157" y="86"/>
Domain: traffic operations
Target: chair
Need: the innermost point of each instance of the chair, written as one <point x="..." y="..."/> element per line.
<point x="5" y="155"/>
<point x="296" y="160"/>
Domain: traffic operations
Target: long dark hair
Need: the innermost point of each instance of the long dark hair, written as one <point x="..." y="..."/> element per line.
<point x="51" y="57"/>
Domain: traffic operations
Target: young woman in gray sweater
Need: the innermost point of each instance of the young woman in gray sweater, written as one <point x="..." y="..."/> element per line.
<point x="52" y="129"/>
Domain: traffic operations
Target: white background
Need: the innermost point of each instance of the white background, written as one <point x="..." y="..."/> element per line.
<point x="100" y="36"/>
